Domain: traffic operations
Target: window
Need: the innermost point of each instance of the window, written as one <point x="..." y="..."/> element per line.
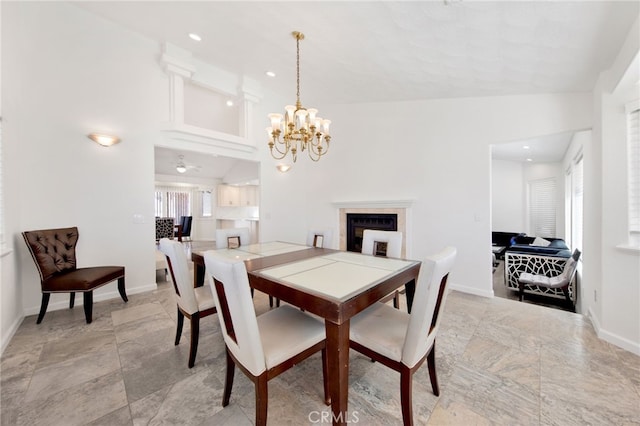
<point x="542" y="207"/>
<point x="574" y="194"/>
<point x="633" y="141"/>
<point x="206" y="203"/>
<point x="172" y="202"/>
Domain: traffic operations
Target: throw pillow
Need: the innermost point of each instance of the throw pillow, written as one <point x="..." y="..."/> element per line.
<point x="541" y="242"/>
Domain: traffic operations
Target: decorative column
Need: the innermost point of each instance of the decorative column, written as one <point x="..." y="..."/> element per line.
<point x="178" y="70"/>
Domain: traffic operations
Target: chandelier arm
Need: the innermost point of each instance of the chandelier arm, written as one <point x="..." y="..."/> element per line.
<point x="286" y="150"/>
<point x="282" y="154"/>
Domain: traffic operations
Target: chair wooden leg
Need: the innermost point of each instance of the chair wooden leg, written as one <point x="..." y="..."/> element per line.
<point x="565" y="290"/>
<point x="431" y="363"/>
<point x="406" y="395"/>
<point x="325" y="376"/>
<point x="262" y="399"/>
<point x="396" y="300"/>
<point x="88" y="306"/>
<point x="195" y="333"/>
<point x="43" y="307"/>
<point x="179" y="325"/>
<point x="72" y="299"/>
<point x="122" y="290"/>
<point x="228" y="381"/>
<point x="271" y="301"/>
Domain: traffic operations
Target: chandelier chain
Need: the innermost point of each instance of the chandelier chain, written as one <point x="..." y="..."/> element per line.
<point x="298" y="71"/>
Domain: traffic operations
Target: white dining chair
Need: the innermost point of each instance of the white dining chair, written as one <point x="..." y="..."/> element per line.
<point x="232" y="237"/>
<point x="403" y="341"/>
<point x="193" y="303"/>
<point x="320" y="238"/>
<point x="264" y="346"/>
<point x="383" y="243"/>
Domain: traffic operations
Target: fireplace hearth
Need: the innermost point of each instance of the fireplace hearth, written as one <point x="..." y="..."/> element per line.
<point x="356" y="223"/>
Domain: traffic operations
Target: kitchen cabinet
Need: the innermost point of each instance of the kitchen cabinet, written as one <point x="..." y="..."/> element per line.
<point x="249" y="195"/>
<point x="237" y="196"/>
<point x="228" y="196"/>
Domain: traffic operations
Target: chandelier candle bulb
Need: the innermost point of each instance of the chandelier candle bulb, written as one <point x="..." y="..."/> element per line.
<point x="290" y="110"/>
<point x="325" y="126"/>
<point x="301" y="129"/>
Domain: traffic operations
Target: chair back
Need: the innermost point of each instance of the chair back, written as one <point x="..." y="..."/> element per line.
<point x="178" y="266"/>
<point x="185" y="221"/>
<point x="569" y="268"/>
<point x="373" y="241"/>
<point x="319" y="238"/>
<point x="232" y="237"/>
<point x="164" y="228"/>
<point x="230" y="287"/>
<point x="429" y="299"/>
<point x="52" y="250"/>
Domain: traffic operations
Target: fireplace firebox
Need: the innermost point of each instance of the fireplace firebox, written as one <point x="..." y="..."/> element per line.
<point x="358" y="222"/>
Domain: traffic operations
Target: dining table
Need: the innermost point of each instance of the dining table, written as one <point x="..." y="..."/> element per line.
<point x="332" y="284"/>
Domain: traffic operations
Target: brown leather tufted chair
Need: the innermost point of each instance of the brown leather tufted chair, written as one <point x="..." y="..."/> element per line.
<point x="54" y="253"/>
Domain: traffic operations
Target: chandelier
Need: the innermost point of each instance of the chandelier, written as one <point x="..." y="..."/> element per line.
<point x="299" y="129"/>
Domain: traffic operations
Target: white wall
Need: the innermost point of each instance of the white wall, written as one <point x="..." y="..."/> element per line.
<point x="507" y="196"/>
<point x="63" y="87"/>
<point x="435" y="152"/>
<point x="612" y="273"/>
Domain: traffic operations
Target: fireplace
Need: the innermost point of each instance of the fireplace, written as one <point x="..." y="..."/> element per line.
<point x="401" y="209"/>
<point x="356" y="223"/>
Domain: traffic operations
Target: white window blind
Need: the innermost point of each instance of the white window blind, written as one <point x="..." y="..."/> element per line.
<point x="633" y="140"/>
<point x="542" y="207"/>
<point x="172" y="202"/>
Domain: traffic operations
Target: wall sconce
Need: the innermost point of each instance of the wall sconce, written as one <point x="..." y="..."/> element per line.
<point x="283" y="168"/>
<point x="104" y="140"/>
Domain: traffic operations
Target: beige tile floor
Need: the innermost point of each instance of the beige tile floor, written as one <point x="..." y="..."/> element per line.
<point x="499" y="362"/>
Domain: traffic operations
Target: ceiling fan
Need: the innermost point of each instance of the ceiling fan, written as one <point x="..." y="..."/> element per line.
<point x="182" y="167"/>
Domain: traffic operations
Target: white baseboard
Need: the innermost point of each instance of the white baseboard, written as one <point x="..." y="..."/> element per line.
<point x="6" y="339"/>
<point x="614" y="339"/>
<point x="472" y="290"/>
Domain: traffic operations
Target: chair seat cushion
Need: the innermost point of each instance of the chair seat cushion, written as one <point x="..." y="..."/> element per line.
<point x="541" y="280"/>
<point x="204" y="297"/>
<point x="287" y="331"/>
<point x="382" y="329"/>
<point x="82" y="279"/>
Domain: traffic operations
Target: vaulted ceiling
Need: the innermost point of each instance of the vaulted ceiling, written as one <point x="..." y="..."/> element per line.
<point x="380" y="51"/>
<point x="362" y="51"/>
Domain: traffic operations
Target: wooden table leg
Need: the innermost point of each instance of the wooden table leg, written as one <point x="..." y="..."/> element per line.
<point x="410" y="289"/>
<point x="338" y="360"/>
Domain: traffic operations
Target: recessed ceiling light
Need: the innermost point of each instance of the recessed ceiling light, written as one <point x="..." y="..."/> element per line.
<point x="194" y="36"/>
<point x="525" y="147"/>
<point x="270" y="73"/>
<point x="229" y="103"/>
<point x="529" y="159"/>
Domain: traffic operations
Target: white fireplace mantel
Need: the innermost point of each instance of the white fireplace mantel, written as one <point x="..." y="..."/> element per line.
<point x="380" y="204"/>
<point x="402" y="208"/>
